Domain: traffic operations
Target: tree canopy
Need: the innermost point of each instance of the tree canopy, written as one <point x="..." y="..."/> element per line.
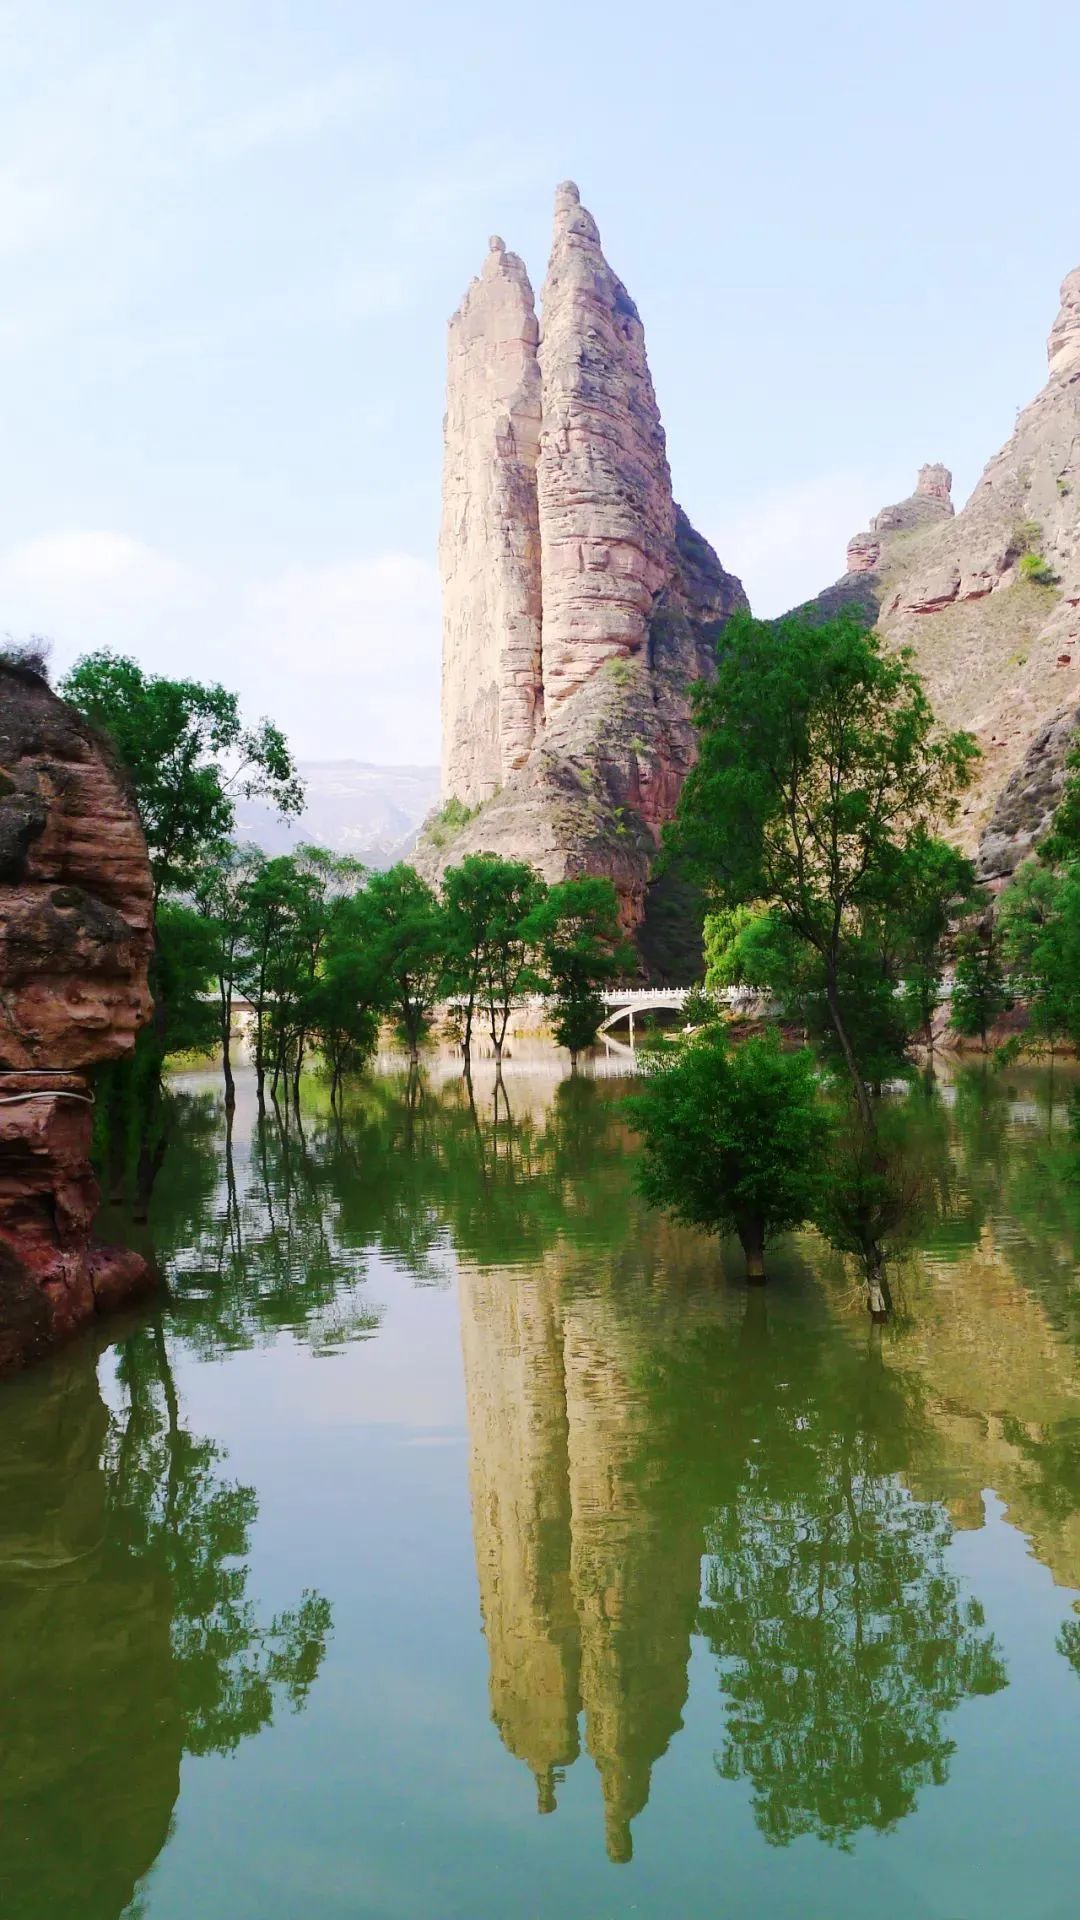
<point x="820" y="766"/>
<point x="189" y="757"/>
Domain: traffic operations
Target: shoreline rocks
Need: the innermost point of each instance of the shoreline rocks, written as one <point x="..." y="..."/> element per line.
<point x="76" y="927"/>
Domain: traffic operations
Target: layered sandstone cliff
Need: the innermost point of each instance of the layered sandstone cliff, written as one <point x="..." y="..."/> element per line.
<point x="988" y="603"/>
<point x="579" y="603"/>
<point x="76" y="918"/>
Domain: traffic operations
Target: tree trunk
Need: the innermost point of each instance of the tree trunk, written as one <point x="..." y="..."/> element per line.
<point x="226" y="1054"/>
<point x="878" y="1293"/>
<point x="752" y="1238"/>
<point x="862" y="1098"/>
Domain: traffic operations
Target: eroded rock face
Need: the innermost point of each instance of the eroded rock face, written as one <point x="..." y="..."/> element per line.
<point x="606" y="509"/>
<point x="580" y="604"/>
<point x="987" y="601"/>
<point x="1063" y="346"/>
<point x="76" y="916"/>
<point x="489" y="545"/>
<point x="1026" y="804"/>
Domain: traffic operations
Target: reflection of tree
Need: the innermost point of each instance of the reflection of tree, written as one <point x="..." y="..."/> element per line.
<point x="417" y="1166"/>
<point x="842" y="1634"/>
<point x="127" y="1633"/>
<point x="253" y="1237"/>
<point x="171" y="1506"/>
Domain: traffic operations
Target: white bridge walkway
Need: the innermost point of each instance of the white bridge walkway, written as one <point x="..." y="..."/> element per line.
<point x="624" y="1003"/>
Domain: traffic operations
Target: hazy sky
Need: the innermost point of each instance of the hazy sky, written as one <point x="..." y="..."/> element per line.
<point x="232" y="231"/>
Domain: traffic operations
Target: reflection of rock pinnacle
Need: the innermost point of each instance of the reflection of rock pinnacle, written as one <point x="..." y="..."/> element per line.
<point x="618" y="1838"/>
<point x="545" y="1790"/>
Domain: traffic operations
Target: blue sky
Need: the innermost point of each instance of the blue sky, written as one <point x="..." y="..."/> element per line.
<point x="231" y="235"/>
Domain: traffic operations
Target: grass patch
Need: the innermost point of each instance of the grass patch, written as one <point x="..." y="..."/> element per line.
<point x="618" y="670"/>
<point x="1036" y="570"/>
<point x="452" y="817"/>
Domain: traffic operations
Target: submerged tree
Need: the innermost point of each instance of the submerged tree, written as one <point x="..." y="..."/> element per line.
<point x="579" y="941"/>
<point x="733" y="1138"/>
<point x="820" y="764"/>
<point x="401" y="926"/>
<point x="979" y="991"/>
<point x="490" y="946"/>
<point x="876" y="1193"/>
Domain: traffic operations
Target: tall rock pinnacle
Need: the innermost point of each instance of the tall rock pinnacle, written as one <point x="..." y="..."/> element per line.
<point x="606" y="510"/>
<point x="489" y="545"/>
<point x="562" y="550"/>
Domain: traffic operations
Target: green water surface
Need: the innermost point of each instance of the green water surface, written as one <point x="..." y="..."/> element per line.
<point x="458" y="1539"/>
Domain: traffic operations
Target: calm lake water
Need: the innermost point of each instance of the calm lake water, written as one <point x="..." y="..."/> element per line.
<point x="460" y="1540"/>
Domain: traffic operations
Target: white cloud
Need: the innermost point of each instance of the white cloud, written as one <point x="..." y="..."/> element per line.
<point x="83" y="588"/>
<point x="787" y="545"/>
<point x="345" y="657"/>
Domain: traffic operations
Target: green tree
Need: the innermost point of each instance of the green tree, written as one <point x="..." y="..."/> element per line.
<point x="876" y="1194"/>
<point x="489" y="902"/>
<point x="343" y="1006"/>
<point x="819" y="764"/>
<point x="979" y="993"/>
<point x="931" y="885"/>
<point x="189" y="757"/>
<point x="273" y="902"/>
<point x="1038" y="929"/>
<point x="323" y="879"/>
<point x="580" y="948"/>
<point x="733" y="1138"/>
<point x="222" y="893"/>
<point x="401" y="925"/>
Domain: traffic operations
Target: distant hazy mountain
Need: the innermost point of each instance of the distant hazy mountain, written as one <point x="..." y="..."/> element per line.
<point x="371" y="812"/>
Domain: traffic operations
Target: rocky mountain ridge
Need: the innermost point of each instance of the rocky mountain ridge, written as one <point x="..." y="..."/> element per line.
<point x="350" y="806"/>
<point x="988" y="601"/>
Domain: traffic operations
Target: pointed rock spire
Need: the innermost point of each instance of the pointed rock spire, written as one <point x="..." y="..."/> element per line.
<point x="607" y="517"/>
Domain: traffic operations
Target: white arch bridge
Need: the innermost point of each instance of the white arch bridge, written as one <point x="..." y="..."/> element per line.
<point x="625" y="1003"/>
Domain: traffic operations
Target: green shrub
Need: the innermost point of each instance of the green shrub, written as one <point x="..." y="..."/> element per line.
<point x="447" y="823"/>
<point x="1035" y="569"/>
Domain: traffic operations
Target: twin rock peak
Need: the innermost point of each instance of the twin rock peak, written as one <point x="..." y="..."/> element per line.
<point x="578" y="603"/>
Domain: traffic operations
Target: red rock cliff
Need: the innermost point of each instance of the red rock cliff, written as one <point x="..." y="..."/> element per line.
<point x="76" y="918"/>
